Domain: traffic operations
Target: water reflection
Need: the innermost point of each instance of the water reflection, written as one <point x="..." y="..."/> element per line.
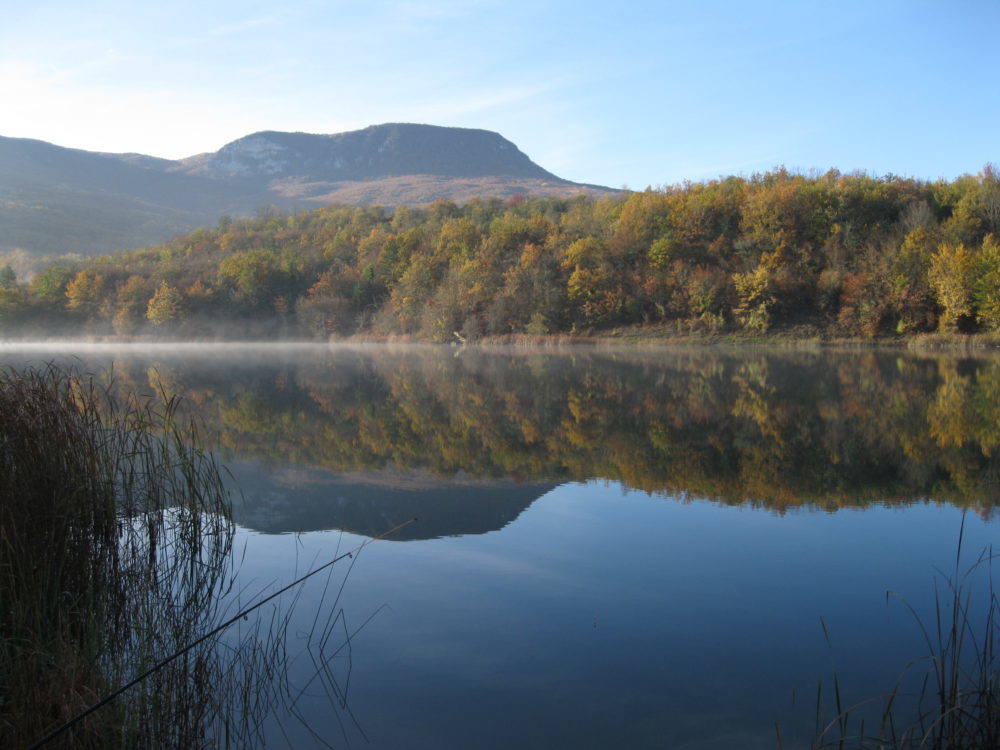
<point x="772" y="430"/>
<point x="603" y="617"/>
<point x="366" y="504"/>
<point x="471" y="440"/>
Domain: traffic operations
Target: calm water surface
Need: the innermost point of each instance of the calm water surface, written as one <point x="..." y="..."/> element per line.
<point x="613" y="549"/>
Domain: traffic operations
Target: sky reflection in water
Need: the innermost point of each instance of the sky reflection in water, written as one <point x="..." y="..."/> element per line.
<point x="602" y="618"/>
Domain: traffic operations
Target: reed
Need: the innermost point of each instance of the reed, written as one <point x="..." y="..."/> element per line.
<point x="115" y="542"/>
<point x="965" y="342"/>
<point x="956" y="702"/>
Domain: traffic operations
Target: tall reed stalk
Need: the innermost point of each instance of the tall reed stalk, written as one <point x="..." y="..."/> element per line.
<point x="115" y="541"/>
<point x="956" y="705"/>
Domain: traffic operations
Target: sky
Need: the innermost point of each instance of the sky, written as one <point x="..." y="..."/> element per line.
<point x="625" y="94"/>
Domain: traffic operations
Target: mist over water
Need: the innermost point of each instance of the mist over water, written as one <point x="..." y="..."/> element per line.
<point x="615" y="549"/>
<point x="171" y="348"/>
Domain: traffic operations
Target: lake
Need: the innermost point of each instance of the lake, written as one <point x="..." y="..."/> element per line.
<point x="613" y="548"/>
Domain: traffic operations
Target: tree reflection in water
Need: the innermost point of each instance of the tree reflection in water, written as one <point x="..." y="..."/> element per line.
<point x="773" y="430"/>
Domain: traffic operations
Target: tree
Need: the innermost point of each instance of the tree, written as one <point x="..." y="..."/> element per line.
<point x="592" y="287"/>
<point x="85" y="293"/>
<point x="256" y="276"/>
<point x="50" y="285"/>
<point x="986" y="293"/>
<point x="755" y="296"/>
<point x="325" y="310"/>
<point x="8" y="279"/>
<point x="952" y="275"/>
<point x="709" y="295"/>
<point x="991" y="199"/>
<point x="644" y="218"/>
<point x="532" y="294"/>
<point x="910" y="296"/>
<point x="166" y="305"/>
<point x="413" y="291"/>
<point x="457" y="241"/>
<point x="132" y="304"/>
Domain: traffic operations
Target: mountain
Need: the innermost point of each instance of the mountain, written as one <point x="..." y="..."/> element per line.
<point x="379" y="151"/>
<point x="56" y="200"/>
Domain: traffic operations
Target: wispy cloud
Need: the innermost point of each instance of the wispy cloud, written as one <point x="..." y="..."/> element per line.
<point x="436" y="10"/>
<point x="461" y="104"/>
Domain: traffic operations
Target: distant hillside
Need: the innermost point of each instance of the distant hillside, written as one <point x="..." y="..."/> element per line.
<point x="58" y="200"/>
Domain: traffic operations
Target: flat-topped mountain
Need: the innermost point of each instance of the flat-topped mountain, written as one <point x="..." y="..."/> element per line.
<point x="59" y="200"/>
<point x="378" y="151"/>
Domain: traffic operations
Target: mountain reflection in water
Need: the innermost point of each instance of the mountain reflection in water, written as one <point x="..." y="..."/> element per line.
<point x="369" y="503"/>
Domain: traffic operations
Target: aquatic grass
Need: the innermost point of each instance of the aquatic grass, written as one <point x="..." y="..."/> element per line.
<point x="956" y="702"/>
<point x="118" y="583"/>
<point x="115" y="542"/>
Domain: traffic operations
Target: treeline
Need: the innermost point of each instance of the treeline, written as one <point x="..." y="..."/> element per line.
<point x="851" y="255"/>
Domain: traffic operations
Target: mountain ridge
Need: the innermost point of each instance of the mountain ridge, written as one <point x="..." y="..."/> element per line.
<point x="388" y="150"/>
<point x="57" y="200"/>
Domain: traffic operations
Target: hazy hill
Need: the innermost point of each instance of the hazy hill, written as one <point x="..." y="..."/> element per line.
<point x="58" y="200"/>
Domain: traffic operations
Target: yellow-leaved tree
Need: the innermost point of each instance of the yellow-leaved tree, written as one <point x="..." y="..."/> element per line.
<point x="166" y="305"/>
<point x="85" y="292"/>
<point x="952" y="274"/>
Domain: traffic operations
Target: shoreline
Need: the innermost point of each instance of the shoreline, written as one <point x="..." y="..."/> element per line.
<point x="634" y="337"/>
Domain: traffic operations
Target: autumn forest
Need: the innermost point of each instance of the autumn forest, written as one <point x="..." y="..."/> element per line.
<point x="840" y="255"/>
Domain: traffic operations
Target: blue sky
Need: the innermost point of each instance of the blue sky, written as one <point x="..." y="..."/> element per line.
<point x="625" y="93"/>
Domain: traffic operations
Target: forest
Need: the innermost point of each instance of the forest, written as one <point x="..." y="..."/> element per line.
<point x="825" y="254"/>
